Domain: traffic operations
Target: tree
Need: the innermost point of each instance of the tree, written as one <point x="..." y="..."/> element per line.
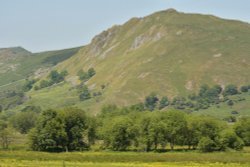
<point x="179" y="102"/>
<point x="230" y="102"/>
<point x="151" y="101"/>
<point x="24" y="121"/>
<point x="192" y="134"/>
<point x="6" y="137"/>
<point x="28" y="85"/>
<point x="244" y="89"/>
<point x="83" y="76"/>
<point x="229" y="139"/>
<point x="91" y="72"/>
<point x="60" y="130"/>
<point x="163" y="102"/>
<point x="176" y="126"/>
<point x="49" y="134"/>
<point x="45" y="83"/>
<point x="206" y="144"/>
<point x="137" y="107"/>
<point x="1" y="108"/>
<point x="203" y="89"/>
<point x="118" y="133"/>
<point x="75" y="125"/>
<point x="242" y="129"/>
<point x="230" y="90"/>
<point x="85" y="94"/>
<point x="57" y="77"/>
<point x="209" y="95"/>
<point x="145" y="137"/>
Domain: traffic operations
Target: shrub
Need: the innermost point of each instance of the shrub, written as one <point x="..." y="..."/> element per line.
<point x="230" y="90"/>
<point x="244" y="89"/>
<point x="229" y="139"/>
<point x="206" y="145"/>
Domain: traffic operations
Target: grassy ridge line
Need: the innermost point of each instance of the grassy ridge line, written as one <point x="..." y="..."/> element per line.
<point x="27" y="65"/>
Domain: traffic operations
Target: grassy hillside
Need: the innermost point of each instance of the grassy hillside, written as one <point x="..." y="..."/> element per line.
<point x="18" y="64"/>
<point x="168" y="52"/>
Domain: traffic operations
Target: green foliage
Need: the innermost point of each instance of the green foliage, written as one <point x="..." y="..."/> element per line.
<point x="152" y="131"/>
<point x="230" y="90"/>
<point x="24" y="121"/>
<point x="206" y="144"/>
<point x="84" y="76"/>
<point x="118" y="134"/>
<point x="229" y="139"/>
<point x="179" y="102"/>
<point x="137" y="107"/>
<point x="164" y="102"/>
<point x="44" y="84"/>
<point x="84" y="93"/>
<point x="35" y="109"/>
<point x="54" y="78"/>
<point x="176" y="127"/>
<point x="59" y="130"/>
<point x="91" y="72"/>
<point x="6" y="134"/>
<point x="230" y="102"/>
<point x="244" y="89"/>
<point x="242" y="129"/>
<point x="151" y="101"/>
<point x="28" y="85"/>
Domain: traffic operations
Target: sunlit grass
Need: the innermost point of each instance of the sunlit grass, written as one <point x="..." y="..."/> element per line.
<point x="124" y="159"/>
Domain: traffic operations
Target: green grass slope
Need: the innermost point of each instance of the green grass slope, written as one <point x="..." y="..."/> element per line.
<point x="168" y="52"/>
<point x="17" y="64"/>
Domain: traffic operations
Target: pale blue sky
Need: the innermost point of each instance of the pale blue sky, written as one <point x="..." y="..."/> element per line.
<point x="39" y="25"/>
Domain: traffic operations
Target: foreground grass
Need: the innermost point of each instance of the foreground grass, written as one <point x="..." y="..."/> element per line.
<point x="123" y="159"/>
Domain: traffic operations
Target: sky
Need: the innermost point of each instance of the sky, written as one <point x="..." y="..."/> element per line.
<point x="41" y="25"/>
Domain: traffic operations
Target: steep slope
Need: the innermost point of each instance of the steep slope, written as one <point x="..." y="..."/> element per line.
<point x="168" y="52"/>
<point x="17" y="63"/>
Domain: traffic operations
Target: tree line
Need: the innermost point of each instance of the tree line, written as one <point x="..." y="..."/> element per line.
<point x="206" y="97"/>
<point x="123" y="129"/>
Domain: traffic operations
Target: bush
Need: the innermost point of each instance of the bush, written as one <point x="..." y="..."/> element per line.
<point x="230" y="103"/>
<point x="242" y="129"/>
<point x="151" y="101"/>
<point x="60" y="130"/>
<point x="230" y="90"/>
<point x="206" y="145"/>
<point x="244" y="89"/>
<point x="229" y="139"/>
<point x="85" y="94"/>
<point x="84" y="76"/>
<point x="234" y="112"/>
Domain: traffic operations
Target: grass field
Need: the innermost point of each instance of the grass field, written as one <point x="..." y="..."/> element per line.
<point x="123" y="159"/>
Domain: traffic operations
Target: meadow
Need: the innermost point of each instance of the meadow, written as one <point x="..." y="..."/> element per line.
<point x="22" y="158"/>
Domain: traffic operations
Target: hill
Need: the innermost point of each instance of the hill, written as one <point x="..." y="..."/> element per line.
<point x="17" y="64"/>
<point x="169" y="53"/>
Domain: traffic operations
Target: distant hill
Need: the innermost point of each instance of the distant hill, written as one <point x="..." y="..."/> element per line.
<point x="17" y="63"/>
